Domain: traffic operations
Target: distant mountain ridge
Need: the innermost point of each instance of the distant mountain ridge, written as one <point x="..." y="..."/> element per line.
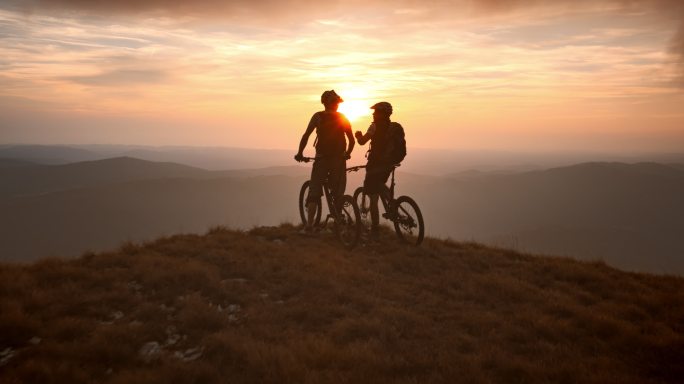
<point x="23" y="178"/>
<point x="210" y="158"/>
<point x="598" y="169"/>
<point x="628" y="215"/>
<point x="47" y="154"/>
<point x="38" y="179"/>
<point x="435" y="162"/>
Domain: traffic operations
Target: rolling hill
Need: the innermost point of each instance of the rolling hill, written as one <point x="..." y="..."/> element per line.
<point x="100" y="217"/>
<point x="47" y="154"/>
<point x="30" y="179"/>
<point x="628" y="215"/>
<point x="271" y="306"/>
<point x="212" y="158"/>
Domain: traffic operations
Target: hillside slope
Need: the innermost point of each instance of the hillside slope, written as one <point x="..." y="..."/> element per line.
<point x="41" y="179"/>
<point x="47" y="154"/>
<point x="271" y="306"/>
<point x="21" y="178"/>
<point x="629" y="215"/>
<point x="69" y="222"/>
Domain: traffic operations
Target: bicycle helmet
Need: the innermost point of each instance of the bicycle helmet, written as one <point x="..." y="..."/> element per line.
<point x="330" y="96"/>
<point x="383" y="106"/>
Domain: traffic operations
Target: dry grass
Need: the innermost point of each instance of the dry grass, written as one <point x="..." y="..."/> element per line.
<point x="270" y="306"/>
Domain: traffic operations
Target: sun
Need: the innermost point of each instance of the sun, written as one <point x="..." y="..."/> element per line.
<point x="356" y="103"/>
<point x="354" y="109"/>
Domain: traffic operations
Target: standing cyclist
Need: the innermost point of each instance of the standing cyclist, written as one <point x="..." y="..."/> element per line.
<point x="331" y="158"/>
<point x="387" y="148"/>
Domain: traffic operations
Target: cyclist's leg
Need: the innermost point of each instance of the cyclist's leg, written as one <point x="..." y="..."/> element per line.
<point x="313" y="200"/>
<point x="374" y="184"/>
<point x="338" y="180"/>
<point x="375" y="214"/>
<point x="371" y="186"/>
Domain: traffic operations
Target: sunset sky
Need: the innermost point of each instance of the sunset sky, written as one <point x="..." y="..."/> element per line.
<point x="510" y="74"/>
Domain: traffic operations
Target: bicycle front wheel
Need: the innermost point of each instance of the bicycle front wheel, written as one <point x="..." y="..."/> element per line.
<point x="408" y="221"/>
<point x="303" y="193"/>
<point x="348" y="222"/>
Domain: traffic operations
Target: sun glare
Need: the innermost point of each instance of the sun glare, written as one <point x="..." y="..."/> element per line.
<point x="356" y="103"/>
<point x="355" y="109"/>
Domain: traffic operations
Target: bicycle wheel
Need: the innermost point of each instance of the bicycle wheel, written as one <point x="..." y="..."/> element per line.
<point x="302" y="205"/>
<point x="348" y="222"/>
<point x="363" y="202"/>
<point x="408" y="221"/>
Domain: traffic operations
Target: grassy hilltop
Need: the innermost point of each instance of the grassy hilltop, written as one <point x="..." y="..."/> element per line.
<point x="271" y="306"/>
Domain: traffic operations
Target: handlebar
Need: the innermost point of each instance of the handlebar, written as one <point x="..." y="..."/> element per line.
<point x="306" y="159"/>
<point x="355" y="168"/>
<point x="358" y="167"/>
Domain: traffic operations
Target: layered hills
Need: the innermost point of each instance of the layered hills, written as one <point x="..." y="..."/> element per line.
<point x="628" y="215"/>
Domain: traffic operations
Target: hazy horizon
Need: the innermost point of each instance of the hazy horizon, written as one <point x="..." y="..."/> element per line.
<point x="421" y="161"/>
<point x="624" y="153"/>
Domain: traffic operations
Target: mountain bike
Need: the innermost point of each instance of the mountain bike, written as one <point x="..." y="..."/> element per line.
<point x="346" y="218"/>
<point x="402" y="211"/>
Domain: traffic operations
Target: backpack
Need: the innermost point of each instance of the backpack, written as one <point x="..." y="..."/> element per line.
<point x="396" y="143"/>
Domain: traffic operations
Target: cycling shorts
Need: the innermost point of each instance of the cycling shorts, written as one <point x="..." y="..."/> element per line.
<point x="332" y="169"/>
<point x="376" y="177"/>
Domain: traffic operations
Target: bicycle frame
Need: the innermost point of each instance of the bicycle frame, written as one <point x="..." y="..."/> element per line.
<point x="328" y="196"/>
<point x="386" y="198"/>
<point x="331" y="203"/>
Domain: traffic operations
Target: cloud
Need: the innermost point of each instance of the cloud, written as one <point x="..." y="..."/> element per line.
<point x="257" y="11"/>
<point x="677" y="49"/>
<point x="678" y="43"/>
<point x="301" y="6"/>
<point x="122" y="77"/>
<point x="444" y="62"/>
<point x="507" y="53"/>
<point x="244" y="11"/>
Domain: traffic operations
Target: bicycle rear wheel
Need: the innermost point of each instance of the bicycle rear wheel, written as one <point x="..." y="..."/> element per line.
<point x="348" y="222"/>
<point x="303" y="193"/>
<point x="408" y="221"/>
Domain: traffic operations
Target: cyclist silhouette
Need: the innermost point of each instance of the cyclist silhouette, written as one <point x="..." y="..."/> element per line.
<point x="331" y="157"/>
<point x="387" y="148"/>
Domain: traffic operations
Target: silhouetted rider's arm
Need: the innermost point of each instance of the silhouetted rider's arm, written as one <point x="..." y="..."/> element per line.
<point x="305" y="137"/>
<point x="350" y="138"/>
<point x="363" y="139"/>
